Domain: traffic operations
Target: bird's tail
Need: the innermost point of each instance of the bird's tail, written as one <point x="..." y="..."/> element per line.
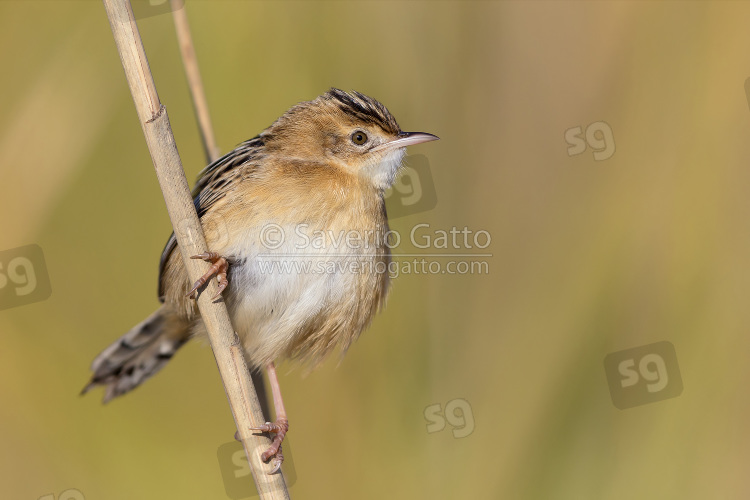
<point x="139" y="354"/>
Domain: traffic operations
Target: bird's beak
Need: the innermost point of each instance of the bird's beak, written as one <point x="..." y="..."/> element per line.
<point x="406" y="139"/>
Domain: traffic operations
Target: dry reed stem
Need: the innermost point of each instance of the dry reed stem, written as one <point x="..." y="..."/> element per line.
<point x="224" y="342"/>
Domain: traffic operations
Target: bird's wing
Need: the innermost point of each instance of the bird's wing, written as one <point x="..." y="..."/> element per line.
<point x="214" y="182"/>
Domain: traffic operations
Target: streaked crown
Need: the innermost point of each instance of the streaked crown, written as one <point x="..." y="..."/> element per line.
<point x="363" y="108"/>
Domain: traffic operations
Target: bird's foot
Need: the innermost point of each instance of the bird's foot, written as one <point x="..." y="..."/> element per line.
<point x="280" y="428"/>
<point x="219" y="269"/>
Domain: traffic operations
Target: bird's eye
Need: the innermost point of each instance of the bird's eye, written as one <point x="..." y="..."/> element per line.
<point x="359" y="138"/>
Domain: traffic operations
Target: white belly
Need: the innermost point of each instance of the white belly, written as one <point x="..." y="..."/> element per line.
<point x="280" y="290"/>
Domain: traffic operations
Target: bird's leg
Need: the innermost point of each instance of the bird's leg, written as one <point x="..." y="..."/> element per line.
<point x="279" y="427"/>
<point x="219" y="269"/>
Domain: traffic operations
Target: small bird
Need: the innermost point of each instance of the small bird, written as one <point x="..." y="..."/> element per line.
<point x="309" y="189"/>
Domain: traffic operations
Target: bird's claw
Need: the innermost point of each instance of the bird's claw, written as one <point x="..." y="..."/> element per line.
<point x="276" y="462"/>
<point x="280" y="428"/>
<point x="219" y="269"/>
<point x="268" y="427"/>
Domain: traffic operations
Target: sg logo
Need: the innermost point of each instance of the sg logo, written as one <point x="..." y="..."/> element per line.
<point x="71" y="494"/>
<point x="598" y="136"/>
<point x="236" y="472"/>
<point x="23" y="277"/>
<point x="414" y="191"/>
<point x="643" y="375"/>
<point x="457" y="412"/>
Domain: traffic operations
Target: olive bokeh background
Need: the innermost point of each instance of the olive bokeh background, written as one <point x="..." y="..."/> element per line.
<point x="589" y="257"/>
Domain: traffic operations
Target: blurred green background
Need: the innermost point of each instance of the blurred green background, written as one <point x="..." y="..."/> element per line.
<point x="588" y="257"/>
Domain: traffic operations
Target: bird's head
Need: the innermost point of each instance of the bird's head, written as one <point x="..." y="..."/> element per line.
<point x="349" y="129"/>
